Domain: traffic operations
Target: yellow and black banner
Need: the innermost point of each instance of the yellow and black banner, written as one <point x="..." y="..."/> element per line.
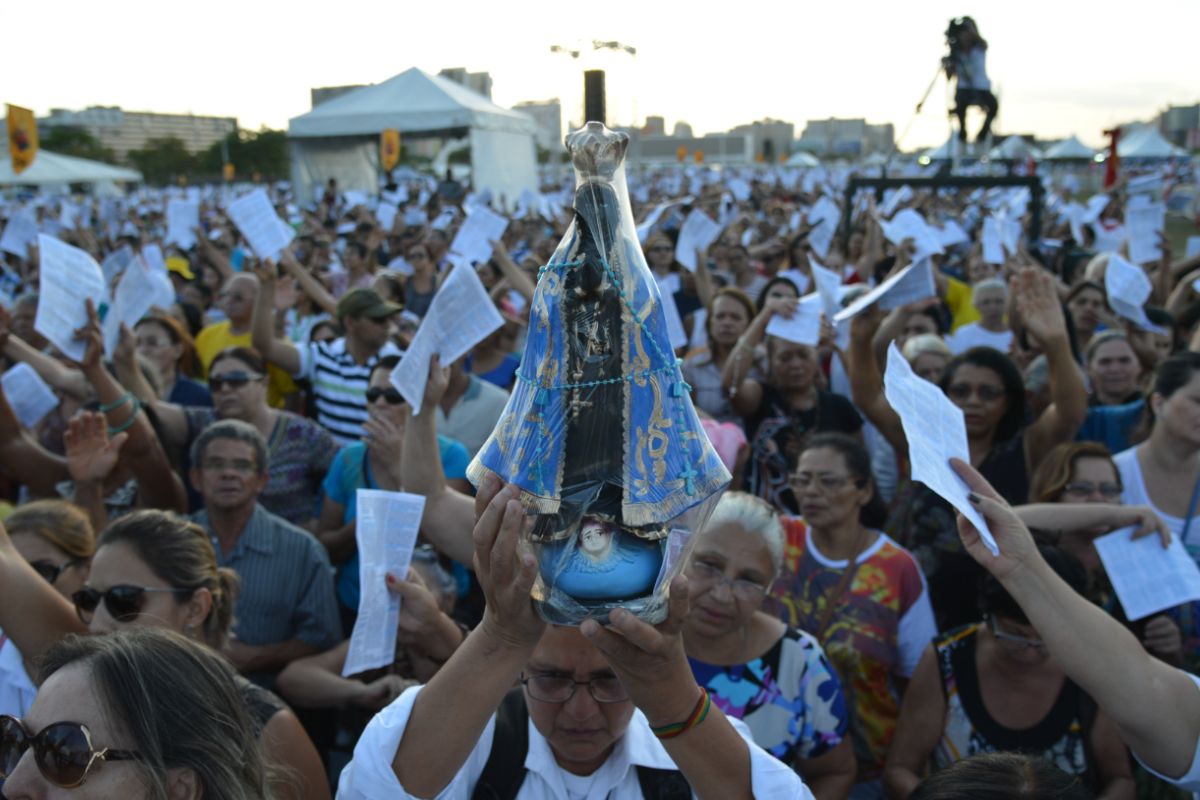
<point x="389" y="149"/>
<point x="22" y="137"/>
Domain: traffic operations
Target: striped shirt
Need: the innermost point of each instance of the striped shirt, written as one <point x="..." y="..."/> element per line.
<point x="287" y="583"/>
<point x="339" y="385"/>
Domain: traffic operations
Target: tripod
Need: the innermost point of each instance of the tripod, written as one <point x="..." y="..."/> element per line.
<point x="913" y="118"/>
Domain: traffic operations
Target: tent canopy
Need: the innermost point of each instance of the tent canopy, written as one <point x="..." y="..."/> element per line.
<point x="1147" y="142"/>
<point x="410" y="102"/>
<point x="803" y="159"/>
<point x="340" y="138"/>
<point x="55" y="169"/>
<point x="1014" y="148"/>
<point x="1068" y="149"/>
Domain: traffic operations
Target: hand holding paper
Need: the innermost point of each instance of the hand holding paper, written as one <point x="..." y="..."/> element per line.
<point x="936" y="433"/>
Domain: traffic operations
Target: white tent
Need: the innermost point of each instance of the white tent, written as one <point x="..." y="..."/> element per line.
<point x="1146" y="142"/>
<point x="803" y="159"/>
<point x="1014" y="148"/>
<point x="55" y="169"/>
<point x="1067" y="150"/>
<point x="340" y="138"/>
<point x="943" y="152"/>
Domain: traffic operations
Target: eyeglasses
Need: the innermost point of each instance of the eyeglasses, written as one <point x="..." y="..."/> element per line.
<point x="1012" y="642"/>
<point x="123" y="603"/>
<point x="1109" y="491"/>
<point x="713" y="576"/>
<point x="389" y="393"/>
<point x="63" y="751"/>
<point x="243" y="466"/>
<point x="826" y="483"/>
<point x="50" y="571"/>
<point x="963" y="391"/>
<point x="232" y="380"/>
<point x="661" y="248"/>
<point x="550" y="688"/>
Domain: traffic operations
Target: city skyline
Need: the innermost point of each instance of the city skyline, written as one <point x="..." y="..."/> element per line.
<point x="1059" y="69"/>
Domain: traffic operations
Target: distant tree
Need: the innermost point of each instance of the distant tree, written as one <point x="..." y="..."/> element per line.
<point x="262" y="152"/>
<point x="163" y="161"/>
<point x="71" y="141"/>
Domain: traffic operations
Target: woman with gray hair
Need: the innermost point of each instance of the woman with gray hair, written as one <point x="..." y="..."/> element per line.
<point x="773" y="677"/>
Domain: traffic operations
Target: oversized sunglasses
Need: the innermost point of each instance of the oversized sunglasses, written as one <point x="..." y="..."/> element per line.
<point x="389" y="393"/>
<point x="63" y="751"/>
<point x="232" y="380"/>
<point x="123" y="603"/>
<point x="50" y="571"/>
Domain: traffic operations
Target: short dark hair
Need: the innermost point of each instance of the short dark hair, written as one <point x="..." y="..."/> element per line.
<point x="238" y="431"/>
<point x="179" y="703"/>
<point x="246" y="355"/>
<point x="1175" y="372"/>
<point x="995" y="601"/>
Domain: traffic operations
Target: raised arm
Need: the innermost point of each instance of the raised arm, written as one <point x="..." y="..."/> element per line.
<point x="52" y="371"/>
<point x="214" y="256"/>
<point x="449" y="515"/>
<point x="158" y="485"/>
<point x="32" y="613"/>
<point x="23" y="459"/>
<point x="1042" y="316"/>
<point x="1156" y="707"/>
<point x="172" y="421"/>
<point x="450" y="713"/>
<point x="275" y="350"/>
<point x="745" y="395"/>
<point x="308" y="284"/>
<point x="517" y="278"/>
<point x="866" y="380"/>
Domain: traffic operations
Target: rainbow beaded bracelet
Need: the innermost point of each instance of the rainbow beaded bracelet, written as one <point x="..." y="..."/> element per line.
<point x="699" y="713"/>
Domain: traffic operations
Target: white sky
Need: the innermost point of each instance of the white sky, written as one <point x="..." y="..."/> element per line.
<point x="1059" y="67"/>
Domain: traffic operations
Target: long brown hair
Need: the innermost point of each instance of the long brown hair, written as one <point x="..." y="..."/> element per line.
<point x="187" y="359"/>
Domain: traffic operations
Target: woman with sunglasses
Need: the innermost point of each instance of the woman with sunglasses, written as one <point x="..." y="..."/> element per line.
<point x="139" y="715"/>
<point x="1003" y="444"/>
<point x="774" y="678"/>
<point x="992" y="686"/>
<point x="154" y="569"/>
<point x="299" y="449"/>
<point x="373" y="463"/>
<point x="57" y="540"/>
<point x="858" y="592"/>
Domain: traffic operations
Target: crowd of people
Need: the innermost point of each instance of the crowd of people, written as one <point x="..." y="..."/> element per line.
<point x="179" y="573"/>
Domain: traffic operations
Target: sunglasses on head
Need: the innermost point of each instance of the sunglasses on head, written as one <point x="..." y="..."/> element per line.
<point x="390" y="393"/>
<point x="123" y="603"/>
<point x="63" y="751"/>
<point x="232" y="380"/>
<point x="50" y="571"/>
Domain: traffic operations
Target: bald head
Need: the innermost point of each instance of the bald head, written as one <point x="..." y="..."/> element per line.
<point x="237" y="300"/>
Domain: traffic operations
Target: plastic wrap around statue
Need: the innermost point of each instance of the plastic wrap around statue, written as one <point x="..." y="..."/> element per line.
<point x="600" y="433"/>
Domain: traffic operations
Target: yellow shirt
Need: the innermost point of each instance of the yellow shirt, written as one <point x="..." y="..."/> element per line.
<point x="216" y="337"/>
<point x="960" y="299"/>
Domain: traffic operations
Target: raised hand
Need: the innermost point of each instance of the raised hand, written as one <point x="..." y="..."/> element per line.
<point x="1017" y="548"/>
<point x="1037" y="302"/>
<point x="91" y="455"/>
<point x="505" y="574"/>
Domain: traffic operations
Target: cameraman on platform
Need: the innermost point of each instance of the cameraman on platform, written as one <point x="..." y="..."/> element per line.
<point x="968" y="63"/>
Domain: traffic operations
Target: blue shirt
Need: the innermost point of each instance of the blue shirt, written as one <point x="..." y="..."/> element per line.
<point x="351" y="471"/>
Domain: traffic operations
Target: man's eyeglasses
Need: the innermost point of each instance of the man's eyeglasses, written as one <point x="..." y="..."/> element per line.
<point x="63" y="751"/>
<point x="1109" y="491"/>
<point x="232" y="380"/>
<point x="550" y="688"/>
<point x="1012" y="642"/>
<point x="389" y="393"/>
<point x="50" y="571"/>
<point x="123" y="603"/>
<point x="714" y="577"/>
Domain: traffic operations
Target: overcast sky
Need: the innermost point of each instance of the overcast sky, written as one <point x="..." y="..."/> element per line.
<point x="1058" y="67"/>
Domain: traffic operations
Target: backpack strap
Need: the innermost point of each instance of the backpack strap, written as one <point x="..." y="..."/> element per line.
<point x="505" y="770"/>
<point x="663" y="784"/>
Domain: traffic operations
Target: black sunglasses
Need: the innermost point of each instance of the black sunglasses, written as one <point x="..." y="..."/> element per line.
<point x="390" y="393"/>
<point x="50" y="571"/>
<point x="232" y="380"/>
<point x="63" y="751"/>
<point x="123" y="603"/>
